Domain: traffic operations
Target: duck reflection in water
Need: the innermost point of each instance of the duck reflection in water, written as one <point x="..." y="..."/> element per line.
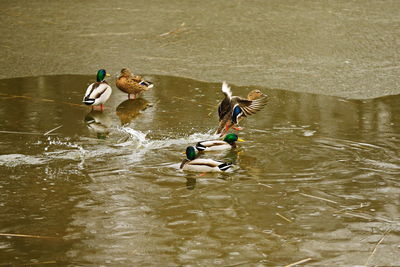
<point x="233" y="155"/>
<point x="98" y="123"/>
<point x="190" y="183"/>
<point x="130" y="109"/>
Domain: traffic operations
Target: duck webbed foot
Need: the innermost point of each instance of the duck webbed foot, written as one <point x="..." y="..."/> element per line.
<point x="237" y="128"/>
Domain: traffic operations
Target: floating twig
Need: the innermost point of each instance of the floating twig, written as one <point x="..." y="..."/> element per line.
<point x="266" y="185"/>
<point x="376" y="246"/>
<point x="180" y="29"/>
<point x="362" y="216"/>
<point x="15" y="132"/>
<point x="362" y="205"/>
<point x="298" y="262"/>
<point x="320" y="198"/>
<point x="52" y="130"/>
<point x="29" y="236"/>
<point x="283" y="217"/>
<point x="369" y="217"/>
<point x="47" y="100"/>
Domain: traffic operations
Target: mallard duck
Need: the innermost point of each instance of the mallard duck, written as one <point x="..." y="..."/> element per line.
<point x="218" y="145"/>
<point x="131" y="84"/>
<point x="232" y="109"/>
<point x="191" y="163"/>
<point x="99" y="92"/>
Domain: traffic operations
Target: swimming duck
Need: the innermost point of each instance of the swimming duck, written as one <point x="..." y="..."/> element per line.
<point x="202" y="165"/>
<point x="131" y="84"/>
<point x="218" y="145"/>
<point x="99" y="92"/>
<point x="233" y="109"/>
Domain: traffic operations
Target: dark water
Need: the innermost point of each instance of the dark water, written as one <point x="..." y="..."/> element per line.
<point x="317" y="178"/>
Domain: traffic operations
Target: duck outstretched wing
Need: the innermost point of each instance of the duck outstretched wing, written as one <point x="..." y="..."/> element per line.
<point x="250" y="107"/>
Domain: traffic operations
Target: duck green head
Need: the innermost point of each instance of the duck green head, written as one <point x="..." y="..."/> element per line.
<point x="190" y="153"/>
<point x="232" y="138"/>
<point x="101" y="75"/>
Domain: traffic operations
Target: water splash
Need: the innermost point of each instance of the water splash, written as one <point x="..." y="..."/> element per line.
<point x="139" y="138"/>
<point x="66" y="154"/>
<point x="134" y="136"/>
<point x="14" y="160"/>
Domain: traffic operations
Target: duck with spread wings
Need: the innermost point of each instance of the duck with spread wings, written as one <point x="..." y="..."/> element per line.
<point x="233" y="109"/>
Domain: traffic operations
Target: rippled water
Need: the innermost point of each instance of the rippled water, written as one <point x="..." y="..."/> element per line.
<point x="317" y="178"/>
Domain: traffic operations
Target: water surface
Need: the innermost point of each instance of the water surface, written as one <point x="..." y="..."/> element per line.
<point x="316" y="178"/>
<point x="342" y="48"/>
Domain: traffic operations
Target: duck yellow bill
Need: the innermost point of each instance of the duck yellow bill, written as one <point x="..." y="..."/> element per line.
<point x="240" y="140"/>
<point x="108" y="74"/>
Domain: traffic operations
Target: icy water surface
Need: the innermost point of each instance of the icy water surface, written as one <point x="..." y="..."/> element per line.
<point x="317" y="179"/>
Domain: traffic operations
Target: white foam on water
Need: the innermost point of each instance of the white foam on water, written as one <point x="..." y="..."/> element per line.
<point x="133" y="149"/>
<point x="381" y="164"/>
<point x="139" y="145"/>
<point x="134" y="135"/>
<point x="13" y="160"/>
<point x="308" y="133"/>
<point x="148" y="144"/>
<point x="78" y="154"/>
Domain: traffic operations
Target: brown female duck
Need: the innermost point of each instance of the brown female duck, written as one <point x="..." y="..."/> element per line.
<point x="131" y="84"/>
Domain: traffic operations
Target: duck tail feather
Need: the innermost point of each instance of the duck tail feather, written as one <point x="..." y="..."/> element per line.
<point x="147" y="84"/>
<point x="225" y="166"/>
<point x="226" y="89"/>
<point x="89" y="101"/>
<point x="200" y="147"/>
